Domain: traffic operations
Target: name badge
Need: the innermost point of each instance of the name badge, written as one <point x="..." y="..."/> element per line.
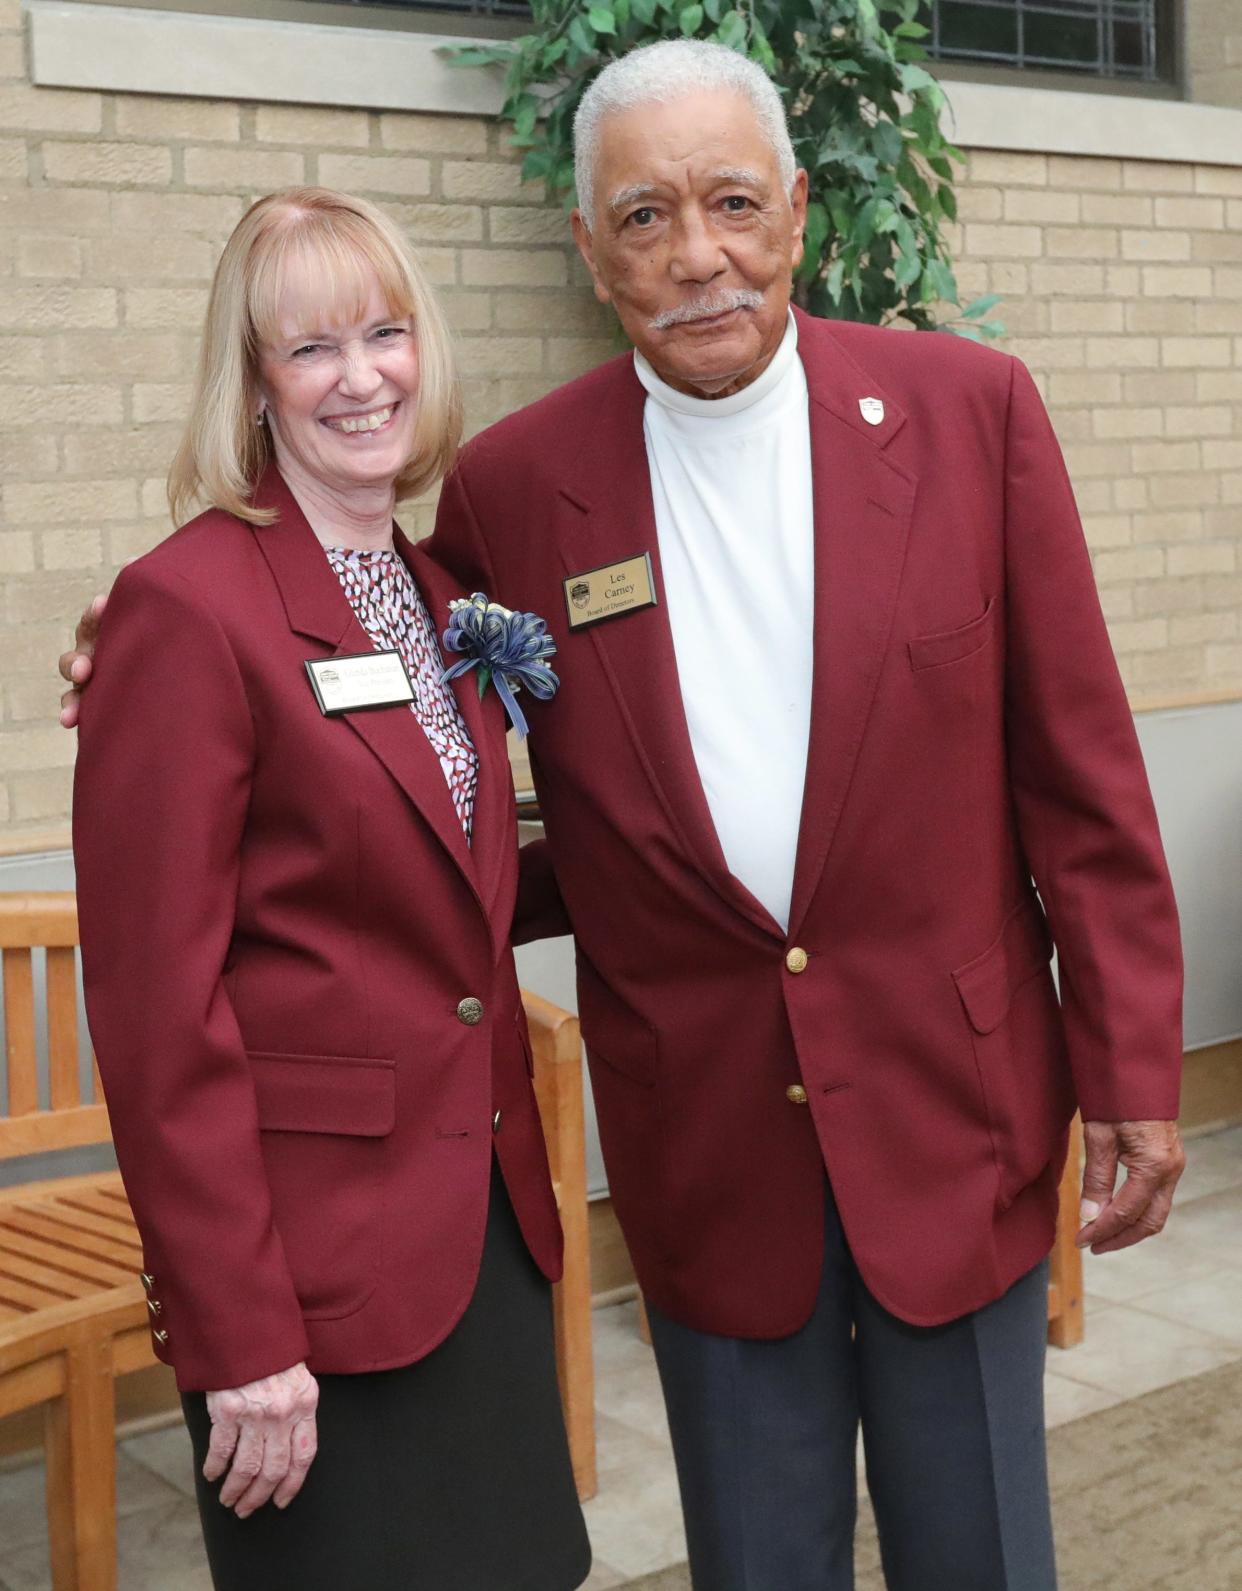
<point x="607" y="593"/>
<point x="361" y="680"/>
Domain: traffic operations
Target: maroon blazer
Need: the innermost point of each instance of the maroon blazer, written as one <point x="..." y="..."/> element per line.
<point x="969" y="734"/>
<point x="280" y="916"/>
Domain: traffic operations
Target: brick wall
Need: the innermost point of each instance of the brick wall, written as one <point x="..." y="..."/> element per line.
<point x="1213" y="51"/>
<point x="1122" y="285"/>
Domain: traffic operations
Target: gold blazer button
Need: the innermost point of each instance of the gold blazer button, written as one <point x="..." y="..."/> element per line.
<point x="470" y="1011"/>
<point x="148" y="1281"/>
<point x="160" y="1336"/>
<point x="796" y="1094"/>
<point x="796" y="959"/>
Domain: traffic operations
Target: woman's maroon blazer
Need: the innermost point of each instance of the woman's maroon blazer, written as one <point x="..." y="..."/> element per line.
<point x="281" y="920"/>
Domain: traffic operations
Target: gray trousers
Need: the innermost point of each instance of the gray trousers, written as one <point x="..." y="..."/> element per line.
<point x="764" y="1434"/>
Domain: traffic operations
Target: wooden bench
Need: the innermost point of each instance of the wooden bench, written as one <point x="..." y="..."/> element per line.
<point x="73" y="1313"/>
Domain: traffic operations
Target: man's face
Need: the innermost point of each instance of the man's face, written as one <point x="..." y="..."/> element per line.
<point x="695" y="238"/>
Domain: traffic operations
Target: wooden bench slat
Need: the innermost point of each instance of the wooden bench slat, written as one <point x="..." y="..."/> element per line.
<point x="19" y="1032"/>
<point x="57" y="1282"/>
<point x="26" y="1295"/>
<point x="62" y="1027"/>
<point x="54" y="1129"/>
<point x="48" y="917"/>
<point x="37" y="1224"/>
<point x="83" y="1221"/>
<point x="87" y="1268"/>
<point x="96" y="1203"/>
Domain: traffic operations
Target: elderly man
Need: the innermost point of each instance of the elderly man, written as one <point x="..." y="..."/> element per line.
<point x="838" y="700"/>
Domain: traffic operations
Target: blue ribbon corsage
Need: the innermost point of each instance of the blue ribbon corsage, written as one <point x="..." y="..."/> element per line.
<point x="509" y="649"/>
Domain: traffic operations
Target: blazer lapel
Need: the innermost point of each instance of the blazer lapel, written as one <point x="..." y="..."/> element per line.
<point x="863" y="504"/>
<point x="612" y="518"/>
<point x="491" y="835"/>
<point x="317" y="608"/>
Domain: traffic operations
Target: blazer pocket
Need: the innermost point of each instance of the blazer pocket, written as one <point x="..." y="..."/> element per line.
<point x="613" y="1032"/>
<point x="987" y="984"/>
<point x="1020" y="1052"/>
<point x="325" y="1094"/>
<point x="325" y="1126"/>
<point x="949" y="646"/>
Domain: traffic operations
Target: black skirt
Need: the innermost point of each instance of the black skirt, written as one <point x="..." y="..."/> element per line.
<point x="451" y="1474"/>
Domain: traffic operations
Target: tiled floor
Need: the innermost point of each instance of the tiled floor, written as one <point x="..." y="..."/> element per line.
<point x="1156" y="1314"/>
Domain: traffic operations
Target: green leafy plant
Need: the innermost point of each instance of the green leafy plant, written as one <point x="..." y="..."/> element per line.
<point x="864" y="114"/>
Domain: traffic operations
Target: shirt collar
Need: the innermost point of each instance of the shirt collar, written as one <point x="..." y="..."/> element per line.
<point x="772" y="378"/>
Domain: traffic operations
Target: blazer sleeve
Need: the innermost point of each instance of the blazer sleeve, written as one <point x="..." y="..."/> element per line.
<point x="166" y="747"/>
<point x="1084" y="809"/>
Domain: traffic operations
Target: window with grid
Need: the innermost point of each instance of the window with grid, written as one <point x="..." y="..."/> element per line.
<point x="1119" y="39"/>
<point x="1126" y="39"/>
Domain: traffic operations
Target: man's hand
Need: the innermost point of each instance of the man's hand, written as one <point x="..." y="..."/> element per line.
<point x="75" y="666"/>
<point x="267" y="1429"/>
<point x="1152" y="1153"/>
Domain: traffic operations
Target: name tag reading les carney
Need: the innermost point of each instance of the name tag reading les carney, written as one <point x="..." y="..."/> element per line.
<point x="361" y="680"/>
<point x="606" y="593"/>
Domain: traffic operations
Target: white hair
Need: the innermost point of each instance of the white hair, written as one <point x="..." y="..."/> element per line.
<point x="659" y="73"/>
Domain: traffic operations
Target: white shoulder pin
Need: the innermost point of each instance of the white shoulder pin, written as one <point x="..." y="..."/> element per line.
<point x="871" y="409"/>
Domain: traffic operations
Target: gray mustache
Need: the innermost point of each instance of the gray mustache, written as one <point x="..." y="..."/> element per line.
<point x="703" y="308"/>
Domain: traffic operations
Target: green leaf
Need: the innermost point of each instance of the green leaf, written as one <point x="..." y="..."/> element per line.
<point x="980" y="306"/>
<point x="814" y="236"/>
<point x="484" y="677"/>
<point x="579" y="34"/>
<point x="834" y="280"/>
<point x="714" y="9"/>
<point x="474" y="55"/>
<point x="644" y="11"/>
<point x="691" y="20"/>
<point x="602" y="19"/>
<point x="732" y="31"/>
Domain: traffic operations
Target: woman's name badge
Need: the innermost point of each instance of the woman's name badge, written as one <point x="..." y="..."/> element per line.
<point x="607" y="593"/>
<point x="359" y="681"/>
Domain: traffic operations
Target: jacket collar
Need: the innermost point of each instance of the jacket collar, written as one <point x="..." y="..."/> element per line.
<point x="318" y="609"/>
<point x="863" y="503"/>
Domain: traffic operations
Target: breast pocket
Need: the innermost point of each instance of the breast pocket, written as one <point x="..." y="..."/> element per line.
<point x="324" y="1128"/>
<point x="952" y="646"/>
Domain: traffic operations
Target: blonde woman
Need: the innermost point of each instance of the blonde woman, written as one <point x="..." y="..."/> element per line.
<point x="297" y="871"/>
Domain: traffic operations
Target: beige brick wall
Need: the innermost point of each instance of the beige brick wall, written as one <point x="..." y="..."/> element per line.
<point x="1122" y="284"/>
<point x="1214" y="51"/>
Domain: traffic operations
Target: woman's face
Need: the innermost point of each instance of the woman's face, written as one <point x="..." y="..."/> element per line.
<point x="340" y="400"/>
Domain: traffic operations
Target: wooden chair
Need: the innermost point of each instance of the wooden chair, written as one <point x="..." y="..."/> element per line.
<point x="557" y="1047"/>
<point x="1065" y="1304"/>
<point x="73" y="1313"/>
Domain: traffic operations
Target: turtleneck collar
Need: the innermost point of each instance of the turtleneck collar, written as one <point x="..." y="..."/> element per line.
<point x="772" y="379"/>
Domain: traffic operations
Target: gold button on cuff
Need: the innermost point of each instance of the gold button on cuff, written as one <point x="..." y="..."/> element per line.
<point x="796" y="959"/>
<point x="796" y="1094"/>
<point x="470" y="1011"/>
<point x="160" y="1336"/>
<point x="154" y="1307"/>
<point x="148" y="1281"/>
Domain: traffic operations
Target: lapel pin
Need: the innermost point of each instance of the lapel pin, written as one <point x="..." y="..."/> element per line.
<point x="871" y="409"/>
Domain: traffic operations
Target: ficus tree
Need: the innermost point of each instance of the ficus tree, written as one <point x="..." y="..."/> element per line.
<point x="864" y="113"/>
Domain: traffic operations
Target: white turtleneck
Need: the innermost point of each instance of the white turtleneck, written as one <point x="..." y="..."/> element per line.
<point x="731" y="482"/>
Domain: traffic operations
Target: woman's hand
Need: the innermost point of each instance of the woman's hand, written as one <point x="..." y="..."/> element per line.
<point x="75" y="666"/>
<point x="267" y="1430"/>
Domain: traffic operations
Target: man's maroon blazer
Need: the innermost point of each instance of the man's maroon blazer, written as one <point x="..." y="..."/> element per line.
<point x="969" y="735"/>
<point x="280" y="919"/>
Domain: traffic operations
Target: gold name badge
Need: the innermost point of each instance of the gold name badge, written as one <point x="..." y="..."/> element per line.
<point x="607" y="593"/>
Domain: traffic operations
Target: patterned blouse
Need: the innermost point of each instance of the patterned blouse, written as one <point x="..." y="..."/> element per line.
<point x="389" y="608"/>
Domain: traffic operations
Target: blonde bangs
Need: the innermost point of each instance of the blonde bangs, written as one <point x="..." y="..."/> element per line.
<point x="346" y="243"/>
